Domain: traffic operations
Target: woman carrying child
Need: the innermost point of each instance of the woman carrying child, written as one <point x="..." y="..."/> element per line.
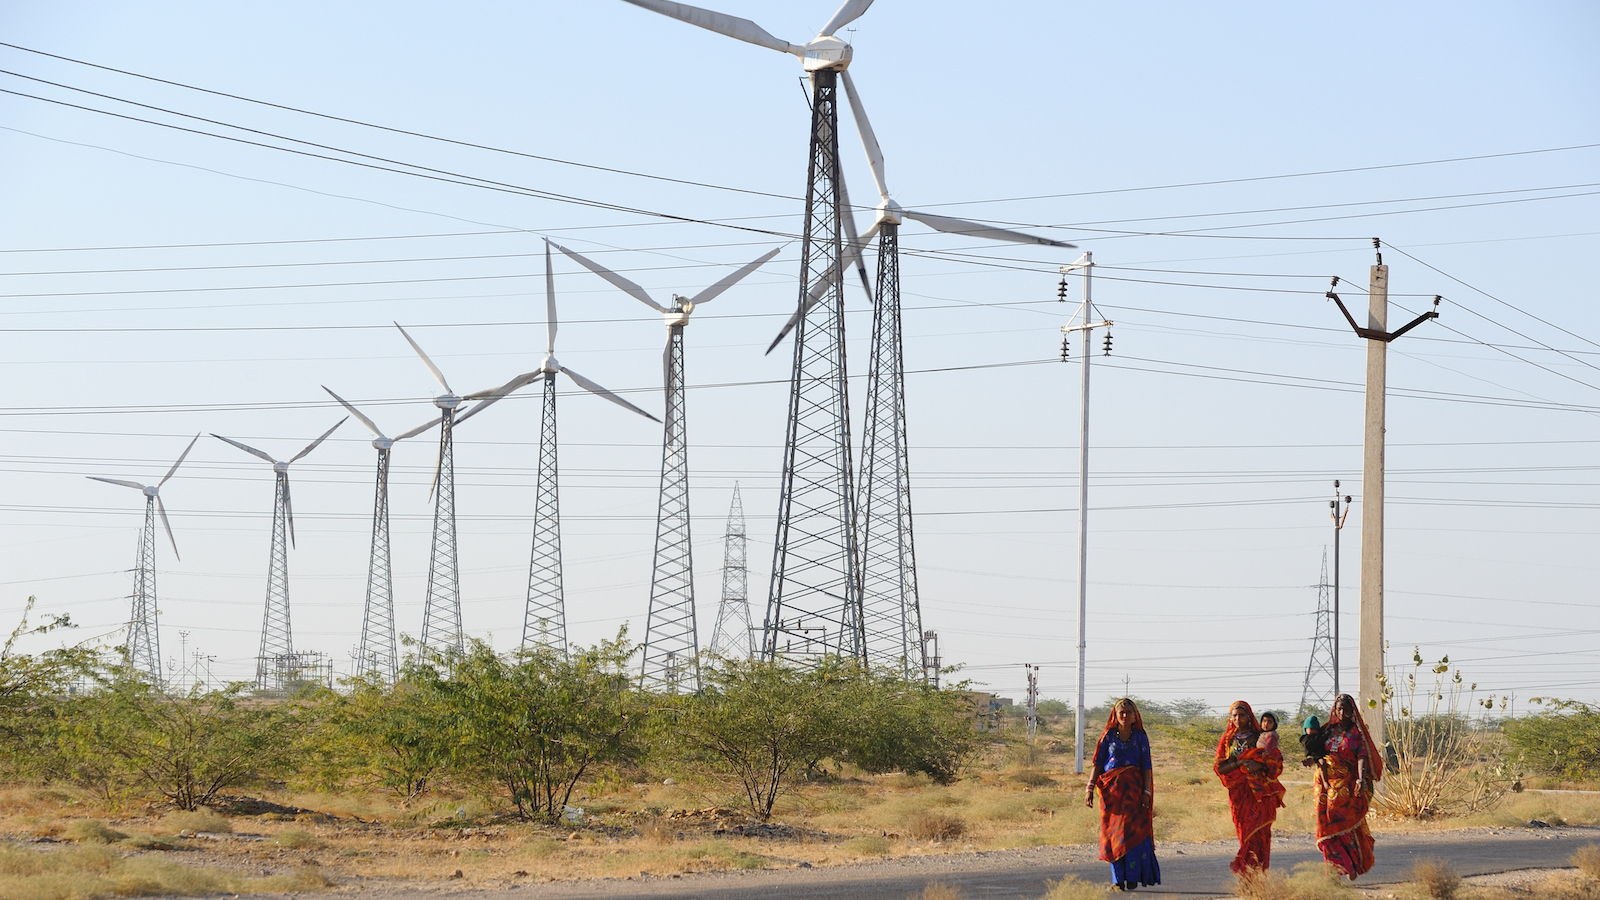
<point x="1344" y="789"/>
<point x="1249" y="768"/>
<point x="1126" y="780"/>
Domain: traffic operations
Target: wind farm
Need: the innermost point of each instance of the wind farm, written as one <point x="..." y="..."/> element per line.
<point x="905" y="437"/>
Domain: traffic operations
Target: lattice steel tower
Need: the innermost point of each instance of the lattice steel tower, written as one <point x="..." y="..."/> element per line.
<point x="544" y="621"/>
<point x="891" y="614"/>
<point x="671" y="642"/>
<point x="442" y="631"/>
<point x="1317" y="691"/>
<point x="814" y="601"/>
<point x="277" y="639"/>
<point x="379" y="653"/>
<point x="734" y="636"/>
<point x="144" y="635"/>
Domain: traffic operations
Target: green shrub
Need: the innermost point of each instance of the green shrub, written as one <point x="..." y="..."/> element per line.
<point x="1563" y="740"/>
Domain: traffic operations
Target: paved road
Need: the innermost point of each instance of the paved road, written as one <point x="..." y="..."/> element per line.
<point x="1191" y="870"/>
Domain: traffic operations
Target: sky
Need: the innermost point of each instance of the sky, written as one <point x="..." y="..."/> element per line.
<point x="168" y="267"/>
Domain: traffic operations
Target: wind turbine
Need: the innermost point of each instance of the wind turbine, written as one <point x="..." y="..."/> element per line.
<point x="380" y="652"/>
<point x="144" y="638"/>
<point x="441" y="614"/>
<point x="544" y="622"/>
<point x="814" y="600"/>
<point x="277" y="640"/>
<point x="671" y="641"/>
<point x="891" y="608"/>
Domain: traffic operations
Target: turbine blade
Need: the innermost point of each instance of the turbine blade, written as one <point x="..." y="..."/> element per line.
<point x="869" y="139"/>
<point x="593" y="388"/>
<point x="851" y="240"/>
<point x="962" y="226"/>
<point x="849" y="12"/>
<point x="250" y="450"/>
<point x="133" y="484"/>
<point x="549" y="302"/>
<point x="627" y="286"/>
<point x="666" y="363"/>
<point x="513" y="384"/>
<point x="178" y="463"/>
<point x="438" y="375"/>
<point x="438" y="465"/>
<point x="371" y="426"/>
<point x="288" y="508"/>
<point x="162" y="509"/>
<point x="313" y="445"/>
<point x="486" y="398"/>
<point x="419" y="429"/>
<point x="817" y="289"/>
<point x="722" y="23"/>
<point x="711" y="292"/>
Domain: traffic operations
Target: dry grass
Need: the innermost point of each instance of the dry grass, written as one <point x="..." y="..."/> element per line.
<point x="658" y="833"/>
<point x="927" y="825"/>
<point x="1587" y="859"/>
<point x="296" y="839"/>
<point x="1309" y="881"/>
<point x="1435" y="880"/>
<point x="88" y="873"/>
<point x="938" y="890"/>
<point x="199" y="820"/>
<point x="1075" y="888"/>
<point x="91" y="831"/>
<point x="867" y="845"/>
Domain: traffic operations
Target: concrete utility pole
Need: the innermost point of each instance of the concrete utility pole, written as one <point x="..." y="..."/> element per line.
<point x="1370" y="691"/>
<point x="1086" y="264"/>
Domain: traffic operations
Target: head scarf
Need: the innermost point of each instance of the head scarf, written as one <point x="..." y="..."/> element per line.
<point x="1312" y="723"/>
<point x="1228" y="732"/>
<point x="1111" y="719"/>
<point x="1374" y="757"/>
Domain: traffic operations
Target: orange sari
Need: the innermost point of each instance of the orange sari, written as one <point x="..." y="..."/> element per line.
<point x="1342" y="797"/>
<point x="1253" y="797"/>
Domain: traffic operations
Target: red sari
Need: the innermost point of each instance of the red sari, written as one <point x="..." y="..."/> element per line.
<point x="1253" y="797"/>
<point x="1343" y="798"/>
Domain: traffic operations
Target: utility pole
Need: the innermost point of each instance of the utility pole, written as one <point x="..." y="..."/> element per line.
<point x="1033" y="700"/>
<point x="1378" y="338"/>
<point x="1341" y="511"/>
<point x="1086" y="264"/>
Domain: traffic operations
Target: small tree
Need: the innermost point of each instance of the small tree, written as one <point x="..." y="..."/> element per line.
<point x="32" y="690"/>
<point x="128" y="734"/>
<point x="759" y="721"/>
<point x="906" y="726"/>
<point x="1563" y="739"/>
<point x="394" y="737"/>
<point x="1433" y="772"/>
<point x="534" y="722"/>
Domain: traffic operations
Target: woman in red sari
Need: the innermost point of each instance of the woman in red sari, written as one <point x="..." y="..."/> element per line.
<point x="1123" y="773"/>
<point x="1251" y="775"/>
<point x="1344" y="789"/>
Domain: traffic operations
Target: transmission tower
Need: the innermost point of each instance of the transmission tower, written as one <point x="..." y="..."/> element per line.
<point x="380" y="653"/>
<point x="814" y="602"/>
<point x="733" y="637"/>
<point x="891" y="614"/>
<point x="144" y="638"/>
<point x="671" y="645"/>
<point x="545" y="622"/>
<point x="1317" y="691"/>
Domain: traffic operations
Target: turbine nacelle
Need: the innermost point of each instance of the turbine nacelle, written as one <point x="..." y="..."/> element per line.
<point x="382" y="443"/>
<point x="550" y="366"/>
<point x="679" y="313"/>
<point x="282" y="468"/>
<point x="825" y="52"/>
<point x="151" y="490"/>
<point x="447" y="401"/>
<point x="889" y="212"/>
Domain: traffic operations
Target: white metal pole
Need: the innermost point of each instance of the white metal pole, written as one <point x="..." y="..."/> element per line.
<point x="1083" y="513"/>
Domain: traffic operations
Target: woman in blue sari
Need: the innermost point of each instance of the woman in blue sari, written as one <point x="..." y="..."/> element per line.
<point x="1126" y="780"/>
